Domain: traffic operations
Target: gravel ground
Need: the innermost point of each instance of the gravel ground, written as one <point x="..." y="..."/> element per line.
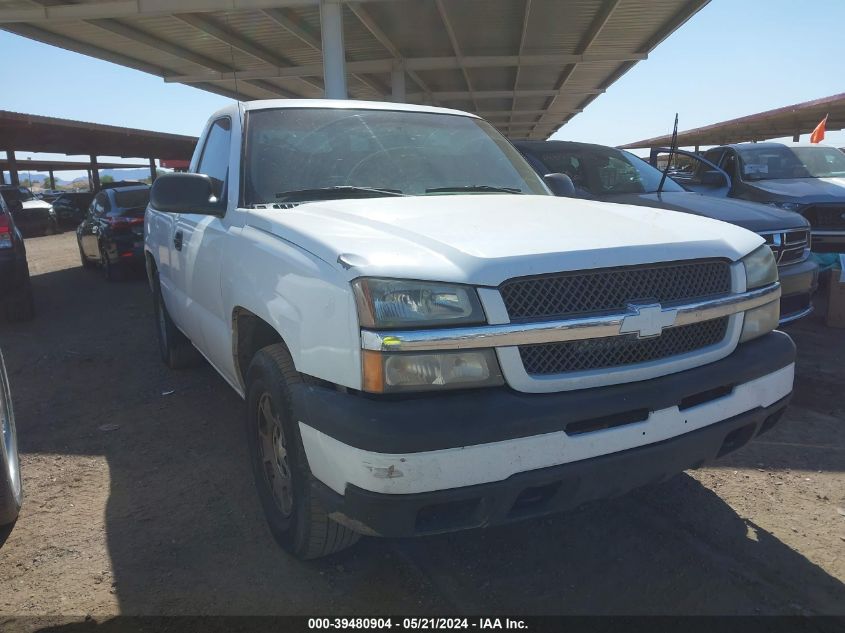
<point x="139" y="498"/>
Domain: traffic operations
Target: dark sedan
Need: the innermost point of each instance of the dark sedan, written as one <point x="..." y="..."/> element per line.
<point x="70" y="207"/>
<point x="112" y="232"/>
<point x="15" y="287"/>
<point x="611" y="175"/>
<point x="805" y="179"/>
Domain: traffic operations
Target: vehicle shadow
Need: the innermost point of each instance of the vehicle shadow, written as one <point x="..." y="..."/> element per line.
<point x="185" y="533"/>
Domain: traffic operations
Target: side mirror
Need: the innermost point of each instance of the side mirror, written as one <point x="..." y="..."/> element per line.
<point x="560" y="185"/>
<point x="15" y="206"/>
<point x="714" y="178"/>
<point x="185" y="193"/>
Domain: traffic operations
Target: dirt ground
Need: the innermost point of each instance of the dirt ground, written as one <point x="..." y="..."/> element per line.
<point x="139" y="498"/>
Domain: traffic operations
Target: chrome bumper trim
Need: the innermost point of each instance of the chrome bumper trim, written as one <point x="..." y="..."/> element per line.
<point x="789" y="318"/>
<point x="511" y="334"/>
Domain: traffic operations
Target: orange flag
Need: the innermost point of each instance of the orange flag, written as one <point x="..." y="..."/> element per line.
<point x="818" y="134"/>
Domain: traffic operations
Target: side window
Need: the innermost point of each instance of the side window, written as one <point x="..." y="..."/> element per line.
<point x="214" y="161"/>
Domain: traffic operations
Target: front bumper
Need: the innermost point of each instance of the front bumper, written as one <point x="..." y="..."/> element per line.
<point x="798" y="282"/>
<point x="405" y="466"/>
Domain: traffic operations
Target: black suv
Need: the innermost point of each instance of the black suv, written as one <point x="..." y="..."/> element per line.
<point x="804" y="178"/>
<point x="15" y="287"/>
<point x="70" y="207"/>
<point x="612" y="175"/>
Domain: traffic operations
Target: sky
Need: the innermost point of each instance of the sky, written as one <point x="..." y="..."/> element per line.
<point x="733" y="58"/>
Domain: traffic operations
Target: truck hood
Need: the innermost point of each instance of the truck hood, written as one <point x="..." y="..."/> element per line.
<point x="486" y="239"/>
<point x="753" y="216"/>
<point x="804" y="190"/>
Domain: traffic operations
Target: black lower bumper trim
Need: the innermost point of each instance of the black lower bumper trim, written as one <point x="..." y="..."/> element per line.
<point x="437" y="421"/>
<point x="544" y="491"/>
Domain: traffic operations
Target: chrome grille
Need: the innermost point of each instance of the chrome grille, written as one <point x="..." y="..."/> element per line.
<point x="618" y="351"/>
<point x="789" y="247"/>
<point x="605" y="289"/>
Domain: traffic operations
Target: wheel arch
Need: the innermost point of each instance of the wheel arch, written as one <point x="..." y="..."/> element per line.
<point x="250" y="333"/>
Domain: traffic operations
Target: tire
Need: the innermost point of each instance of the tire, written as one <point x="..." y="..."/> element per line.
<point x="111" y="272"/>
<point x="11" y="489"/>
<point x="283" y="480"/>
<point x="176" y="350"/>
<point x="20" y="305"/>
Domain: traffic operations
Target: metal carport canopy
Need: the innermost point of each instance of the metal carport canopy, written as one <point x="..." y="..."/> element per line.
<point x="526" y="65"/>
<point x="34" y="133"/>
<point x="792" y="120"/>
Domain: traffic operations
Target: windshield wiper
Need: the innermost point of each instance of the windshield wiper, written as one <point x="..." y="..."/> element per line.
<point x="490" y="188"/>
<point x="338" y="191"/>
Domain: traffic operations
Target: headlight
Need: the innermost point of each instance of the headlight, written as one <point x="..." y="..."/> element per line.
<point x="786" y="206"/>
<point x="760" y="321"/>
<point x="464" y="369"/>
<point x="760" y="268"/>
<point x="395" y="303"/>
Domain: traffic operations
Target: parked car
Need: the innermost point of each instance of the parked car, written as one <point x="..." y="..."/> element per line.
<point x="803" y="178"/>
<point x="111" y="234"/>
<point x="427" y="340"/>
<point x="34" y="216"/>
<point x="15" y="286"/>
<point x="11" y="489"/>
<point x="70" y="207"/>
<point x="611" y="175"/>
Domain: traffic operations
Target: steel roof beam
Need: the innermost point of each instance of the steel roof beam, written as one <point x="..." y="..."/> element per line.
<point x="410" y="64"/>
<point x="525" y="16"/>
<point x="293" y="24"/>
<point x="84" y="48"/>
<point x="230" y="38"/>
<point x="498" y="94"/>
<point x="129" y="8"/>
<point x="600" y="20"/>
<point x="453" y="39"/>
<point x="367" y="21"/>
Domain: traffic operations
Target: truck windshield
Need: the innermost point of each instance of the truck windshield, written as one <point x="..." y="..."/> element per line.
<point x="601" y="171"/>
<point x="777" y="163"/>
<point x="307" y="150"/>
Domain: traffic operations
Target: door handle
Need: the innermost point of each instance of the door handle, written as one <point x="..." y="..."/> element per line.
<point x="177" y="241"/>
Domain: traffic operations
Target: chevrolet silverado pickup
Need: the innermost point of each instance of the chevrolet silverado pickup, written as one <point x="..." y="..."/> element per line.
<point x="427" y="340"/>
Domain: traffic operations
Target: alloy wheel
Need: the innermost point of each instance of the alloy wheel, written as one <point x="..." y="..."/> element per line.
<point x="272" y="447"/>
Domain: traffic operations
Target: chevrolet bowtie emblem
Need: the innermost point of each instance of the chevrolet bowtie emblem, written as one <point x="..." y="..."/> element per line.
<point x="648" y="320"/>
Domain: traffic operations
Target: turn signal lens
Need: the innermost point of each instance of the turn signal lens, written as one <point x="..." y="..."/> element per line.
<point x="760" y="321"/>
<point x="403" y="372"/>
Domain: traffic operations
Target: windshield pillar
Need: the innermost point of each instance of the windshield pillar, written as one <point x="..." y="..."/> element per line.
<point x="334" y="61"/>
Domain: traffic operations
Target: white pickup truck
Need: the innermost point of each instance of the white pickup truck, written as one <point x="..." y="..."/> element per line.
<point x="426" y="340"/>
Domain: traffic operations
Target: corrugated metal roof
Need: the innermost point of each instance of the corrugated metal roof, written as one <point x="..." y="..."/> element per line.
<point x="534" y="63"/>
<point x="793" y="120"/>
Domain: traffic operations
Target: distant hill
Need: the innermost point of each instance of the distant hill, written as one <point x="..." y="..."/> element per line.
<point x="126" y="174"/>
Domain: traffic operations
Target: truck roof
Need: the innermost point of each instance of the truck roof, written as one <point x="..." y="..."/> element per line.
<point x="348" y="104"/>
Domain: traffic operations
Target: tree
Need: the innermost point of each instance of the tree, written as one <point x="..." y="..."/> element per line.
<point x="106" y="179"/>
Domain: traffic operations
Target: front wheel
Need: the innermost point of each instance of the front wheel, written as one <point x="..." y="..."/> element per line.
<point x="11" y="490"/>
<point x="283" y="480"/>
